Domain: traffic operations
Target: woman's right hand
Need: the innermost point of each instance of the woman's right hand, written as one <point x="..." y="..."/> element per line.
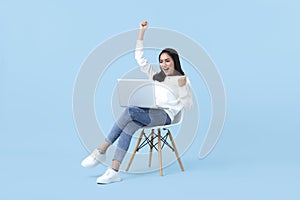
<point x="144" y="25"/>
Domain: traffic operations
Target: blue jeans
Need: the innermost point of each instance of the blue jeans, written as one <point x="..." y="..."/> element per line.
<point x="132" y="119"/>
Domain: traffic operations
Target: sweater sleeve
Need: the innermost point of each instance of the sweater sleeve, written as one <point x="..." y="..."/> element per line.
<point x="141" y="60"/>
<point x="185" y="95"/>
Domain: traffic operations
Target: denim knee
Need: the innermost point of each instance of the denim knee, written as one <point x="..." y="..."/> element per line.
<point x="140" y="115"/>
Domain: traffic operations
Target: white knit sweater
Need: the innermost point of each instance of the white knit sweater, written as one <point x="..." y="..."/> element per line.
<point x="169" y="95"/>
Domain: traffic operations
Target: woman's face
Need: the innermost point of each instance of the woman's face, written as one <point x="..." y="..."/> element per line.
<point x="167" y="64"/>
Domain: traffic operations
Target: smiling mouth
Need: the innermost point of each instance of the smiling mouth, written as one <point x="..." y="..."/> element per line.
<point x="165" y="68"/>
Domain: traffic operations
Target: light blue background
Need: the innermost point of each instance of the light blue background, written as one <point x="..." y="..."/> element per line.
<point x="255" y="45"/>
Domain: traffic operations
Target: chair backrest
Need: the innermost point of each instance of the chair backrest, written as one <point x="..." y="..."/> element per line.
<point x="178" y="118"/>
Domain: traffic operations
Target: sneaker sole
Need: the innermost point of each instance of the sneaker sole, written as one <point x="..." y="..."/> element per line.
<point x="110" y="182"/>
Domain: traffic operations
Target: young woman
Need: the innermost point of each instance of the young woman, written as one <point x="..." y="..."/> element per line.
<point x="134" y="118"/>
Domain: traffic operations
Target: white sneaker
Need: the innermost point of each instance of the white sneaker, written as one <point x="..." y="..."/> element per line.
<point x="93" y="159"/>
<point x="109" y="176"/>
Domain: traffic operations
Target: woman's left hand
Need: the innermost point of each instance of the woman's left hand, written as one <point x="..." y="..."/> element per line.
<point x="182" y="81"/>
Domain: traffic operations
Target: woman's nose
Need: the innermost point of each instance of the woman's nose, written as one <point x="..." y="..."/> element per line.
<point x="164" y="64"/>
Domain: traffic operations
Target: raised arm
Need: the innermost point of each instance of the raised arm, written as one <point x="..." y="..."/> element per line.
<point x="143" y="27"/>
<point x="139" y="52"/>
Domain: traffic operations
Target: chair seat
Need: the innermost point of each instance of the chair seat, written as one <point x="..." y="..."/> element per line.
<point x="176" y="121"/>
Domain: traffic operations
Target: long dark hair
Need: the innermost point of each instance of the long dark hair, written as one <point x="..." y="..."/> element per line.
<point x="160" y="76"/>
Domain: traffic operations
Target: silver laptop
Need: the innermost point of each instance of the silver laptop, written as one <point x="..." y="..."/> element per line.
<point x="136" y="92"/>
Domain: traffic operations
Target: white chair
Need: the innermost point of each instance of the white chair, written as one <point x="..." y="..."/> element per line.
<point x="161" y="141"/>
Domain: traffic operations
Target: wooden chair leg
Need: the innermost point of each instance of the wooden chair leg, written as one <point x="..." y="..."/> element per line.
<point x="151" y="147"/>
<point x="176" y="152"/>
<point x="159" y="152"/>
<point x="135" y="149"/>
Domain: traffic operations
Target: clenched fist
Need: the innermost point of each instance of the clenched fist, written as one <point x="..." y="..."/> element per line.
<point x="144" y="25"/>
<point x="182" y="81"/>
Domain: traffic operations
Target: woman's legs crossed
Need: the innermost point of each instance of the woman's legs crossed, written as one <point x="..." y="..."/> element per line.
<point x="132" y="119"/>
<point x="129" y="115"/>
